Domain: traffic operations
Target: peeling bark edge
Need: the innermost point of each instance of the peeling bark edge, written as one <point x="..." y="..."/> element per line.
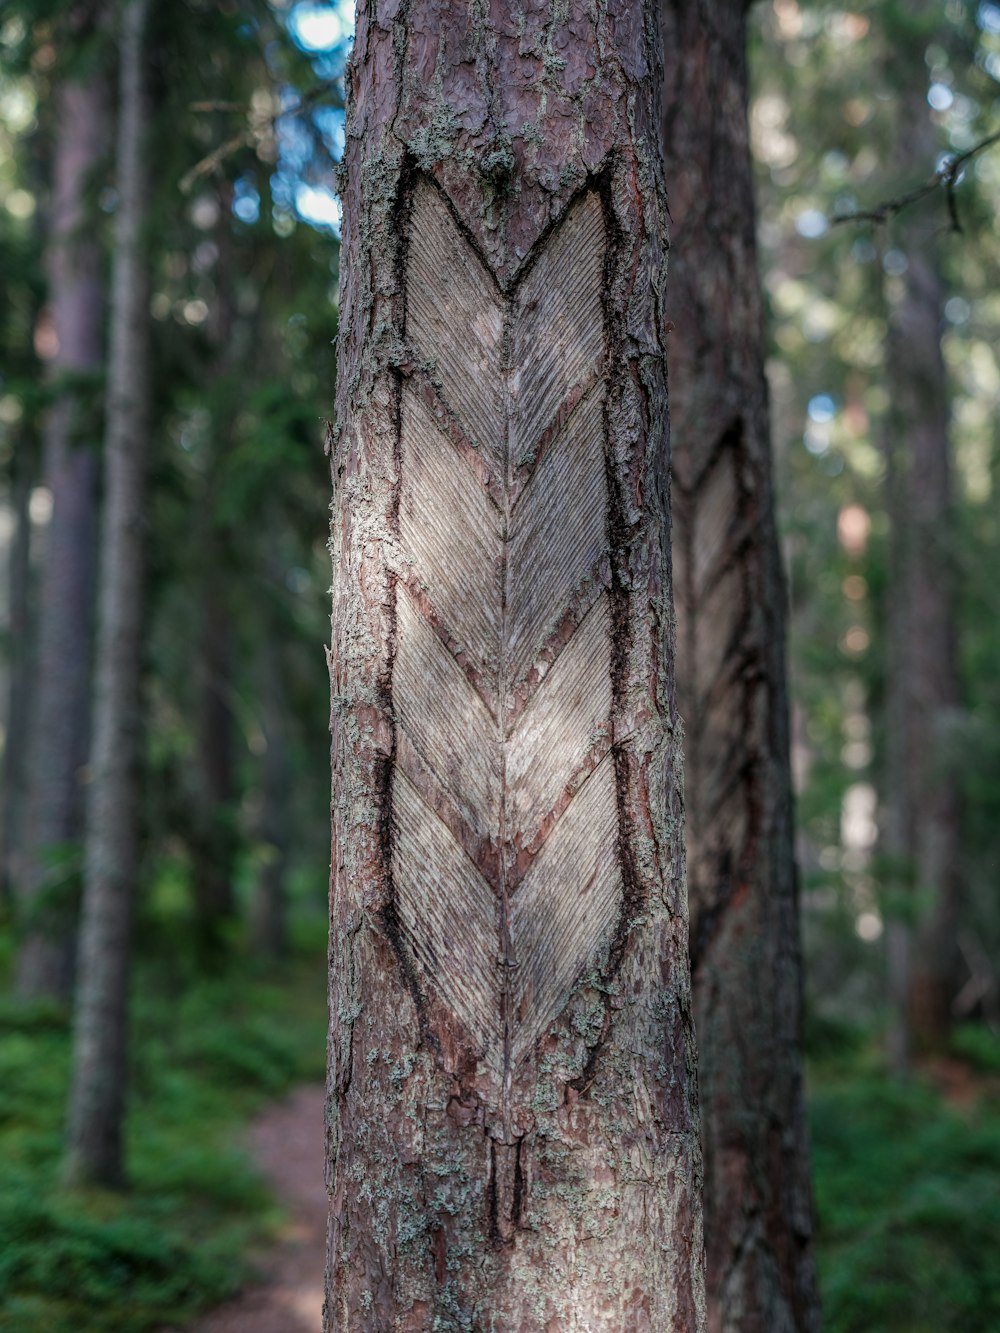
<point x="397" y="1237"/>
<point x="636" y="891"/>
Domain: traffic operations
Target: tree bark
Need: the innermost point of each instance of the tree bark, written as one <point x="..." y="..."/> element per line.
<point x="730" y="598"/>
<point x="15" y="769"/>
<point x="94" y="1133"/>
<point x="922" y="830"/>
<point x="513" y="1120"/>
<point x="61" y="713"/>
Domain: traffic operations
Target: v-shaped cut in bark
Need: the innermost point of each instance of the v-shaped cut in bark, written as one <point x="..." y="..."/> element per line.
<point x="502" y="673"/>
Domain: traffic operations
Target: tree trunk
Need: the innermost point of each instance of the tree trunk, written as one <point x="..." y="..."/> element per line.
<point x="61" y="712"/>
<point x="94" y="1134"/>
<point x="15" y="769"/>
<point x="730" y="598"/>
<point x="922" y="809"/>
<point x="215" y="842"/>
<point x="270" y="908"/>
<point x="514" y="1133"/>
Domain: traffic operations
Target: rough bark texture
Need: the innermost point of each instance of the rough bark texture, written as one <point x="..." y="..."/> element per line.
<point x="94" y="1132"/>
<point x="513" y="1120"/>
<point x="729" y="594"/>
<point x="61" y="712"/>
<point x="922" y="809"/>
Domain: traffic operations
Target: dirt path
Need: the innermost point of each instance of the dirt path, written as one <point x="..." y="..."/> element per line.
<point x="287" y="1144"/>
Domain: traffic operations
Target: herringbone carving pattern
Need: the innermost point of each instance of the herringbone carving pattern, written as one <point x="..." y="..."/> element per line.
<point x="719" y="675"/>
<point x="505" y="845"/>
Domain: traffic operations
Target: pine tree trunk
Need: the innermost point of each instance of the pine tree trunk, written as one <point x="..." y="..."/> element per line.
<point x="922" y="808"/>
<point x="514" y="1132"/>
<point x="730" y="599"/>
<point x="15" y="769"/>
<point x="270" y="908"/>
<point x="61" y="707"/>
<point x="94" y="1133"/>
<point x="215" y="840"/>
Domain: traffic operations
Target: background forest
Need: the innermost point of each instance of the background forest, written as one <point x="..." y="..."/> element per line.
<point x="853" y="110"/>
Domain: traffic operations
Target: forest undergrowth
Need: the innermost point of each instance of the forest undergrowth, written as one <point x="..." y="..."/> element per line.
<point x="206" y="1054"/>
<point x="907" y="1175"/>
<point x="907" y="1186"/>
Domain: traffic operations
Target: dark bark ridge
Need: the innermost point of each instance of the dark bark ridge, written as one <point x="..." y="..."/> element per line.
<point x="729" y="594"/>
<point x="513" y="1137"/>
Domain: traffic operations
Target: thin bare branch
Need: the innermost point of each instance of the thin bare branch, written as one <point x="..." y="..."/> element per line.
<point x="945" y="178"/>
<point x="217" y="106"/>
<point x="215" y="158"/>
<point x="258" y="127"/>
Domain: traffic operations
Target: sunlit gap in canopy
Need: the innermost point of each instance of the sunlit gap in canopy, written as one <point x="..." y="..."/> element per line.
<point x="310" y="129"/>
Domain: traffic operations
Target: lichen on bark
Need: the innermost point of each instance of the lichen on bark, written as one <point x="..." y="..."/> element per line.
<point x="587" y="1214"/>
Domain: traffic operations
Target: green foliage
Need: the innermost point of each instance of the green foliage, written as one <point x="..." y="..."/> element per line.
<point x="178" y="1240"/>
<point x="979" y="1045"/>
<point x="831" y="1041"/>
<point x="908" y="1200"/>
<point x="825" y="116"/>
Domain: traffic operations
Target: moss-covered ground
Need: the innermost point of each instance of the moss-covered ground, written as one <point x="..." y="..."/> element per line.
<point x="907" y="1175"/>
<point x="907" y="1186"/>
<point x="205" y="1056"/>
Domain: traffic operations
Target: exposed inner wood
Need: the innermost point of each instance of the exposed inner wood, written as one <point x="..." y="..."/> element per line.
<point x="505" y="862"/>
<point x="456" y="562"/>
<point x="448" y="910"/>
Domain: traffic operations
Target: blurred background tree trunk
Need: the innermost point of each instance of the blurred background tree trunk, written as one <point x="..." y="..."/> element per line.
<point x="922" y="829"/>
<point x="19" y="667"/>
<point x="214" y="843"/>
<point x="72" y="338"/>
<point x="729" y="594"/>
<point x="111" y="862"/>
<point x="216" y="840"/>
<point x="270" y="905"/>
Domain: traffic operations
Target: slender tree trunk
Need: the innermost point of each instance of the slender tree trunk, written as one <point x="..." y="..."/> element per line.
<point x="94" y="1134"/>
<point x="61" y="712"/>
<point x="514" y="1132"/>
<point x="215" y="849"/>
<point x="15" y="769"/>
<point x="922" y="808"/>
<point x="216" y="843"/>
<point x="270" y="910"/>
<point x="730" y="598"/>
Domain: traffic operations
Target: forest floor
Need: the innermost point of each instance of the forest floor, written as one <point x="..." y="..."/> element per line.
<point x="286" y="1142"/>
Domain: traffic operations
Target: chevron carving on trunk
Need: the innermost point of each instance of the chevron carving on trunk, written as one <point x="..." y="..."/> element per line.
<point x="505" y="861"/>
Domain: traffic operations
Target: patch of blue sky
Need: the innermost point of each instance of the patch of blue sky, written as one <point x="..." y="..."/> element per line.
<point x="319" y="206"/>
<point x="319" y="28"/>
<point x="246" y="200"/>
<point x="822" y="408"/>
<point x="330" y="122"/>
<point x="324" y="33"/>
<point x="302" y="183"/>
